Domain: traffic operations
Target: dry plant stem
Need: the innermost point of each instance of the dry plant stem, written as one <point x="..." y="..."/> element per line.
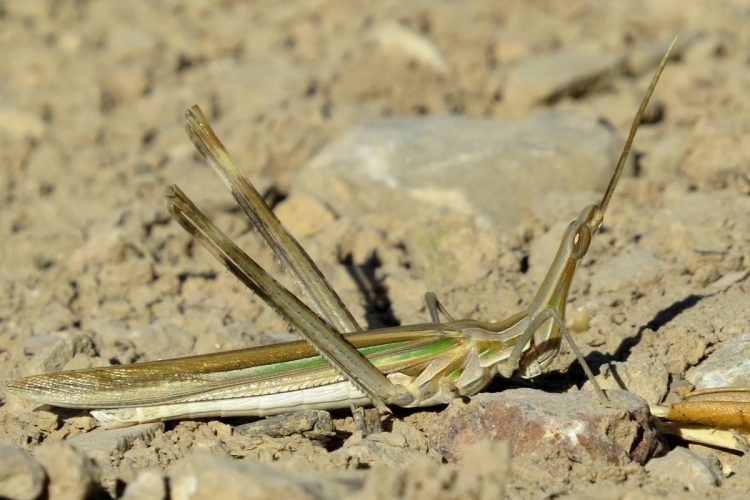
<point x="718" y="417"/>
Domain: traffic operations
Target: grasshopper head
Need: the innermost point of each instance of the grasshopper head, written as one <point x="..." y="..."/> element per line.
<point x="546" y="312"/>
<point x="553" y="292"/>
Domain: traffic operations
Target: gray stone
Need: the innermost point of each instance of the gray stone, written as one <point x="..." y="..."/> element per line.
<point x="491" y="170"/>
<point x="546" y="78"/>
<point x="686" y="468"/>
<point x="61" y="352"/>
<point x="629" y="269"/>
<point x="648" y="378"/>
<point x="728" y="365"/>
<point x="311" y="423"/>
<point x="101" y="444"/>
<point x="207" y="476"/>
<point x="575" y="425"/>
<point x="71" y="474"/>
<point x="20" y="476"/>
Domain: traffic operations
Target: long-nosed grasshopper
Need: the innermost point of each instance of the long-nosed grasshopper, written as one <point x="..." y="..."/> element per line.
<point x="339" y="365"/>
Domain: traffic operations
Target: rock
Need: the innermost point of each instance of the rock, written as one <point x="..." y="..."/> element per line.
<point x="303" y="215"/>
<point x="705" y="275"/>
<point x="549" y="77"/>
<point x="100" y="444"/>
<point x="207" y="476"/>
<point x="648" y="378"/>
<point x="399" y="40"/>
<point x="488" y="169"/>
<point x="686" y="468"/>
<point x="693" y="225"/>
<point x="449" y="254"/>
<point x="728" y="365"/>
<point x="24" y="427"/>
<point x="20" y="476"/>
<point x="310" y="423"/>
<point x="52" y="315"/>
<point x="574" y="425"/>
<point x="149" y="484"/>
<point x="631" y="268"/>
<point x="71" y="474"/>
<point x="382" y="449"/>
<point x="61" y="352"/>
<point x="74" y="426"/>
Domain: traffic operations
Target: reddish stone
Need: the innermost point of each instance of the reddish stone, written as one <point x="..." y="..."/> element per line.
<point x="575" y="425"/>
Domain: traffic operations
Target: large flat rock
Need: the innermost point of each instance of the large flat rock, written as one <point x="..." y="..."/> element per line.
<point x="490" y="169"/>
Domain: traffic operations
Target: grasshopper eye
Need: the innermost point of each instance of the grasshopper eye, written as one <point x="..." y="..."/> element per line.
<point x="581" y="241"/>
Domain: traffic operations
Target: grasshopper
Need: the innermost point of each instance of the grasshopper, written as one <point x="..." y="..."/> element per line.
<point x="339" y="365"/>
